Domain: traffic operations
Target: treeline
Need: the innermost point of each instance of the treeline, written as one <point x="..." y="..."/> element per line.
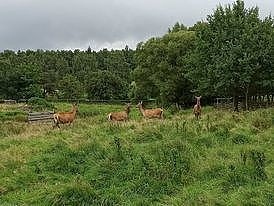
<point x="230" y="54"/>
<point x="66" y="74"/>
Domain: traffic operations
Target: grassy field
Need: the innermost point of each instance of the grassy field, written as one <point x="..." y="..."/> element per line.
<point x="223" y="159"/>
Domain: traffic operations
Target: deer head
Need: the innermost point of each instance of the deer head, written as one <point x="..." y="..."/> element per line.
<point x="198" y="99"/>
<point x="127" y="107"/>
<point x="140" y="104"/>
<point x="75" y="107"/>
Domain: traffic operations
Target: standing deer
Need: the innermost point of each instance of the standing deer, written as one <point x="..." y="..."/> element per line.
<point x="150" y="113"/>
<point x="65" y="117"/>
<point x="197" y="109"/>
<point x="120" y="116"/>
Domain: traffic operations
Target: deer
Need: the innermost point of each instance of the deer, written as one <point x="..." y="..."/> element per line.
<point x="65" y="117"/>
<point x="150" y="113"/>
<point x="120" y="116"/>
<point x="197" y="109"/>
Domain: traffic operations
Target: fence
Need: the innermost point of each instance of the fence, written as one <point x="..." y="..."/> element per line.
<point x="228" y="103"/>
<point x="40" y="117"/>
<point x="8" y="101"/>
<point x="223" y="103"/>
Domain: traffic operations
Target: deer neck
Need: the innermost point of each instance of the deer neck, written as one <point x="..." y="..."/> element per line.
<point x="127" y="110"/>
<point x="74" y="111"/>
<point x="142" y="110"/>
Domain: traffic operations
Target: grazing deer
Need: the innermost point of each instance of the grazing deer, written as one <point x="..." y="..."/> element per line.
<point x="197" y="109"/>
<point x="150" y="113"/>
<point x="120" y="116"/>
<point x="65" y="117"/>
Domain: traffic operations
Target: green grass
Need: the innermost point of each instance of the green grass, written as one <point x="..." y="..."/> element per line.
<point x="223" y="159"/>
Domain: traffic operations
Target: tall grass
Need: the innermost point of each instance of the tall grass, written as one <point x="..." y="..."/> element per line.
<point x="223" y="159"/>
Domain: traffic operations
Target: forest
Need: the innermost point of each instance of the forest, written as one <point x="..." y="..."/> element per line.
<point x="231" y="54"/>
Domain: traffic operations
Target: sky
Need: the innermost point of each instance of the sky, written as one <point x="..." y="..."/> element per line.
<point x="111" y="24"/>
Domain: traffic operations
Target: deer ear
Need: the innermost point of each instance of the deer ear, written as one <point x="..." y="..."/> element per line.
<point x="141" y="102"/>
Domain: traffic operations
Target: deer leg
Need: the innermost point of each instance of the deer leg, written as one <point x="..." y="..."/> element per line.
<point x="56" y="125"/>
<point x="162" y="115"/>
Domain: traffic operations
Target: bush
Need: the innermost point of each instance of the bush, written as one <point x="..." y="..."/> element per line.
<point x="17" y="116"/>
<point x="40" y="104"/>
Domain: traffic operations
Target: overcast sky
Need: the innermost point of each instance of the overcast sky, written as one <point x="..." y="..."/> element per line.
<point x="76" y="24"/>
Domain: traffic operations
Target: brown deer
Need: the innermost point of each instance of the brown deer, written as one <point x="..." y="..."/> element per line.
<point x="197" y="109"/>
<point x="150" y="113"/>
<point x="120" y="116"/>
<point x="65" y="117"/>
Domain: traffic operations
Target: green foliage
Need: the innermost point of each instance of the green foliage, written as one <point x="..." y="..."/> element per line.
<point x="106" y="86"/>
<point x="234" y="52"/>
<point x="70" y="87"/>
<point x="18" y="81"/>
<point x="38" y="104"/>
<point x="13" y="115"/>
<point x="162" y="68"/>
<point x="177" y="27"/>
<point x="27" y="74"/>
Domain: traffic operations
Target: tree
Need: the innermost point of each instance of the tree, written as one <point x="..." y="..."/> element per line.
<point x="232" y="50"/>
<point x="104" y="85"/>
<point x="70" y="87"/>
<point x="162" y="68"/>
<point x="177" y="27"/>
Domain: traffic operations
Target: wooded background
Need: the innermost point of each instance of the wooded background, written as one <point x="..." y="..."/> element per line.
<point x="231" y="54"/>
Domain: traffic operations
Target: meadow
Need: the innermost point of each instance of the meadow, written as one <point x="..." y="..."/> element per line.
<point x="225" y="158"/>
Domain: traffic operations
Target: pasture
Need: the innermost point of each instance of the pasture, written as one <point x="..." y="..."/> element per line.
<point x="224" y="158"/>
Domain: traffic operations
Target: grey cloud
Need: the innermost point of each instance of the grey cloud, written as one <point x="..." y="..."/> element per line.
<point x="69" y="24"/>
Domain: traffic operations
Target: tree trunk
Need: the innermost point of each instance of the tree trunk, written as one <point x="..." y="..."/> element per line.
<point x="235" y="102"/>
<point x="246" y="99"/>
<point x="268" y="100"/>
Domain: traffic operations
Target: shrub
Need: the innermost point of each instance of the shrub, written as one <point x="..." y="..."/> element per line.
<point x="39" y="104"/>
<point x="18" y="116"/>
